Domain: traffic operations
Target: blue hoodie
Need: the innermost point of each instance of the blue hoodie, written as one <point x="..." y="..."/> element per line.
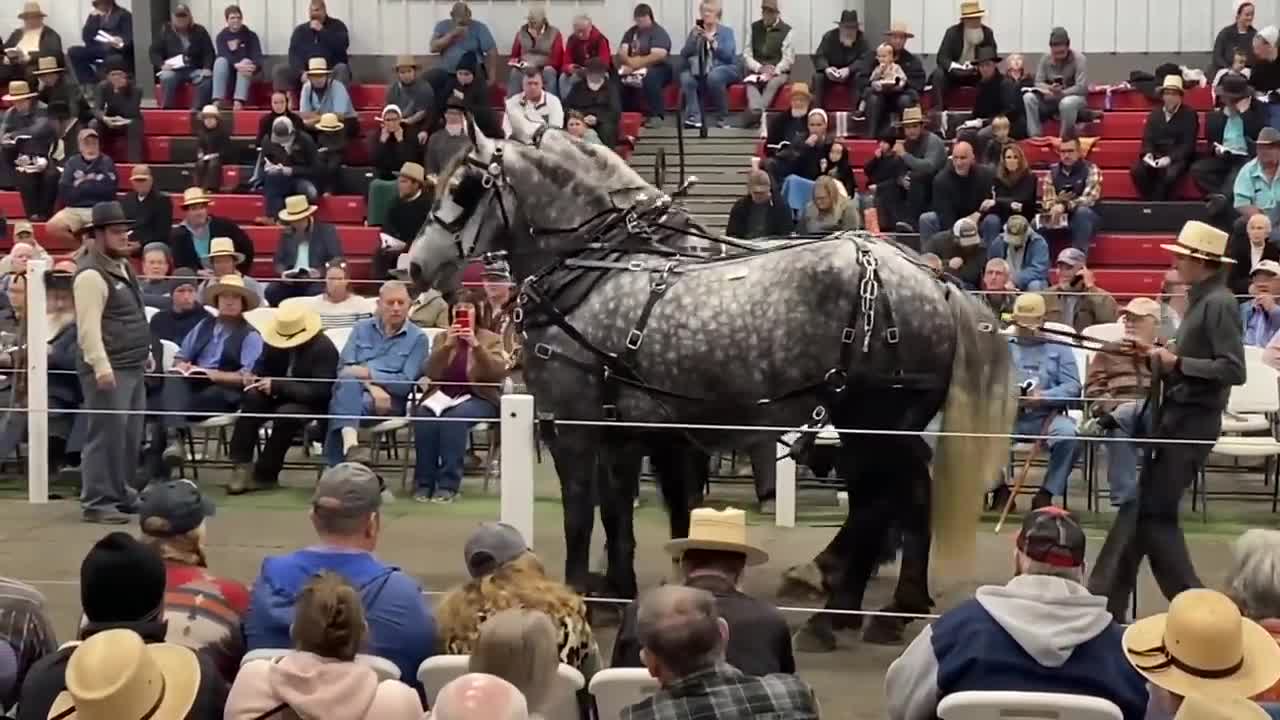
<point x="401" y="627"/>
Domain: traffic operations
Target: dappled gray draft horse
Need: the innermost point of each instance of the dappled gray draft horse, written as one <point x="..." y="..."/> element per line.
<point x="849" y="330"/>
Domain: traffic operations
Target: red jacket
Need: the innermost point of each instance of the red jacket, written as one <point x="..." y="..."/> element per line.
<point x="577" y="51"/>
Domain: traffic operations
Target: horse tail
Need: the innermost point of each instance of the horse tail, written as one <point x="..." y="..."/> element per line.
<point x="977" y="416"/>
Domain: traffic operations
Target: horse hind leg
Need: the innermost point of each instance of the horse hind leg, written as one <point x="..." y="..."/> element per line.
<point x="618" y="515"/>
<point x="912" y="520"/>
<point x="575" y="455"/>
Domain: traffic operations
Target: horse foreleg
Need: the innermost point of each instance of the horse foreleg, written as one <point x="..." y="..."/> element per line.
<point x="574" y="452"/>
<point x="617" y="515"/>
<point x="912" y="592"/>
<point x="682" y="470"/>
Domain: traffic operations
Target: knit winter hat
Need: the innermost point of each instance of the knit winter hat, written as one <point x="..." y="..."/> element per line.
<point x="121" y="580"/>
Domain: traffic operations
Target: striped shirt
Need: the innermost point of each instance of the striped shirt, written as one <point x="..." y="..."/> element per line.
<point x="343" y="314"/>
<point x="26" y="627"/>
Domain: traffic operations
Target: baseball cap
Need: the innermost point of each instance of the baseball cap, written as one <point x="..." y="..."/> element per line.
<point x="184" y="276"/>
<point x="172" y="508"/>
<point x="491" y="546"/>
<point x="1059" y="36"/>
<point x="966" y="232"/>
<point x="348" y="489"/>
<point x="1271" y="267"/>
<point x="139" y="172"/>
<point x="181" y="10"/>
<point x="23" y="226"/>
<point x="1017" y="225"/>
<point x="1052" y="536"/>
<point x="1071" y="256"/>
<point x="1268" y="136"/>
<point x="1141" y="306"/>
<point x="87" y="132"/>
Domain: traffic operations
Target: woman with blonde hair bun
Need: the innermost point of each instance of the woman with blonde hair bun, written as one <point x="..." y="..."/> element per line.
<point x="322" y="679"/>
<point x="520" y="646"/>
<point x="506" y="575"/>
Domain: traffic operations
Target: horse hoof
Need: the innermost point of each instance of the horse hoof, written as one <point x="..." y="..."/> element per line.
<point x="799" y="592"/>
<point x="814" y="638"/>
<point x="808" y="575"/>
<point x="847" y="622"/>
<point x="884" y="631"/>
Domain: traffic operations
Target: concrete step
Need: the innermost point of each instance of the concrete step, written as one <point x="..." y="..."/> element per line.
<point x="669" y="131"/>
<point x="716" y="161"/>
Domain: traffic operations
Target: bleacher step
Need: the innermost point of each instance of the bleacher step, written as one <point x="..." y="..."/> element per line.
<point x="1145" y="217"/>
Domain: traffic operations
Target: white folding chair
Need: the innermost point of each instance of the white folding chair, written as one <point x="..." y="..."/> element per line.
<point x="150" y="312"/>
<point x="1257" y="399"/>
<point x="170" y="350"/>
<point x="618" y="688"/>
<point x="1106" y="332"/>
<point x="339" y="336"/>
<point x="437" y="671"/>
<point x="564" y="697"/>
<point x="982" y="705"/>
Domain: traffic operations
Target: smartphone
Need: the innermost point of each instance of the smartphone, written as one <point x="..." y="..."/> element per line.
<point x="698" y="22"/>
<point x="462" y="318"/>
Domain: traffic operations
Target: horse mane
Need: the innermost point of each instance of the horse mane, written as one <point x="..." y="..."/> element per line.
<point x="559" y="159"/>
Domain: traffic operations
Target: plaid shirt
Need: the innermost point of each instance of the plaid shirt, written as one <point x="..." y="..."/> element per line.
<point x="25" y="626"/>
<point x="723" y="692"/>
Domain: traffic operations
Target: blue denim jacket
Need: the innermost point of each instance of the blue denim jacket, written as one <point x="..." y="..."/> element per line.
<point x="1054" y="369"/>
<point x="395" y="362"/>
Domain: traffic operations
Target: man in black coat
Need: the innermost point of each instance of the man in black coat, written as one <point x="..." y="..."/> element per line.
<point x="149" y="209"/>
<point x="295" y="348"/>
<point x="191" y="238"/>
<point x="122" y="585"/>
<point x="833" y="63"/>
<point x="18" y="63"/>
<point x="759" y="639"/>
<point x="957" y="54"/>
<point x="997" y="96"/>
<point x="467" y="88"/>
<point x="1215" y="174"/>
<point x="182" y="52"/>
<point x="761" y="213"/>
<point x="882" y="101"/>
<point x="958" y="192"/>
<point x="320" y="36"/>
<point x="1168" y="144"/>
<point x="117" y="110"/>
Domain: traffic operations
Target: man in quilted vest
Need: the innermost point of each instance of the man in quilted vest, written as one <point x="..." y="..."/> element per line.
<point x="767" y="58"/>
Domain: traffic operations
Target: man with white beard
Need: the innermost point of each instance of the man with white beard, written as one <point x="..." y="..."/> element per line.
<point x="957" y="64"/>
<point x="65" y="429"/>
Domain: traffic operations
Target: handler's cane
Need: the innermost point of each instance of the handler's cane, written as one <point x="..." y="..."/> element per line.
<point x="1022" y="473"/>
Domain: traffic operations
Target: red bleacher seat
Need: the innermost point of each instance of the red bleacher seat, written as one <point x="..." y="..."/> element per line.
<point x="1126" y="250"/>
<point x="357" y="240"/>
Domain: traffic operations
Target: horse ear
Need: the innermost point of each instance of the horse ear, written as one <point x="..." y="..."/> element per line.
<point x="521" y="129"/>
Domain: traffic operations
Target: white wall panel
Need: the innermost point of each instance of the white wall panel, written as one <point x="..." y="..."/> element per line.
<point x="1037" y="21"/>
<point x="1133" y="25"/>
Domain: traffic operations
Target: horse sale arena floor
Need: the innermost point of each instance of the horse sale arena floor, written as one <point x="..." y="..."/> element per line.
<point x="44" y="544"/>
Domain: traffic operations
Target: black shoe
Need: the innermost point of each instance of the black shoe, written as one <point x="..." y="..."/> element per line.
<point x="1215" y="204"/>
<point x="105" y="517"/>
<point x="999" y="497"/>
<point x="904" y="227"/>
<point x="174" y="456"/>
<point x="1042" y="499"/>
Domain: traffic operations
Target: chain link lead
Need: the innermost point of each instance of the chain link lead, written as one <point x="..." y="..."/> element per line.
<point x="868" y="289"/>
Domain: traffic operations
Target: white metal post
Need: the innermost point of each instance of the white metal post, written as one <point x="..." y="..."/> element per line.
<point x="784" y="504"/>
<point x="37" y="385"/>
<point x="518" y="460"/>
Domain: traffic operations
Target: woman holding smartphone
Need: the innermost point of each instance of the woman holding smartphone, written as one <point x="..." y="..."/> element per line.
<point x="461" y="379"/>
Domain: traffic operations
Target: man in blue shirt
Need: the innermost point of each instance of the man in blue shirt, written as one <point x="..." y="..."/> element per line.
<point x="711" y="53"/>
<point x="1048" y="382"/>
<point x="207" y="378"/>
<point x="346" y="515"/>
<point x="322" y="94"/>
<point x="87" y="179"/>
<point x="379" y="365"/>
<point x="455" y="38"/>
<point x="1260" y="315"/>
<point x="1257" y="187"/>
<point x="644" y="50"/>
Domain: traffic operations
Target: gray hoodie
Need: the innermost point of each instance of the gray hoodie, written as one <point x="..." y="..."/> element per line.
<point x="1047" y="616"/>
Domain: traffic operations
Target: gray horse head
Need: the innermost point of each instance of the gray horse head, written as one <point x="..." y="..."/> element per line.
<point x="511" y="195"/>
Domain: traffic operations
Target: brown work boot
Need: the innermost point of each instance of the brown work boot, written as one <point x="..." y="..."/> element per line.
<point x="242" y="479"/>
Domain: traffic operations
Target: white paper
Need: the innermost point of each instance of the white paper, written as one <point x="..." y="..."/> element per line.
<point x="961" y="66"/>
<point x="391" y="243"/>
<point x="437" y="402"/>
<point x="1150" y="161"/>
<point x="177" y="62"/>
<point x="974" y="123"/>
<point x="104" y="37"/>
<point x="753" y="79"/>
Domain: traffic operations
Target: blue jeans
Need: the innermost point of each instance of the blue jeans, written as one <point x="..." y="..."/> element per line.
<point x="515" y="82"/>
<point x="1062" y="445"/>
<point x="990" y="228"/>
<point x="652" y="88"/>
<point x="1082" y="227"/>
<point x="1122" y="457"/>
<point x="349" y="399"/>
<point x="277" y="186"/>
<point x="566" y="84"/>
<point x="84" y="61"/>
<point x="930" y="225"/>
<point x="171" y="80"/>
<point x="718" y="81"/>
<point x="441" y="447"/>
<point x="223" y="70"/>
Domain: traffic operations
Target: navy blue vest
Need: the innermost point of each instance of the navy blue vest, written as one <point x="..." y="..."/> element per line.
<point x="975" y="653"/>
<point x="230" y="359"/>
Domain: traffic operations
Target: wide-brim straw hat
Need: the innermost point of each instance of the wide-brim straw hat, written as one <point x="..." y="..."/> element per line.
<point x="318" y="66"/>
<point x="31" y="9"/>
<point x="403" y="61"/>
<point x="900" y="28"/>
<point x="1202" y="241"/>
<point x="721" y="531"/>
<point x="292" y="325"/>
<point x="19" y="90"/>
<point x="223" y="247"/>
<point x="233" y="284"/>
<point x="1172" y="83"/>
<point x="114" y="674"/>
<point x="912" y="116"/>
<point x="971" y="9"/>
<point x="195" y="196"/>
<point x="297" y="207"/>
<point x="414" y="171"/>
<point x="47" y="65"/>
<point x="329" y="122"/>
<point x="1203" y="646"/>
